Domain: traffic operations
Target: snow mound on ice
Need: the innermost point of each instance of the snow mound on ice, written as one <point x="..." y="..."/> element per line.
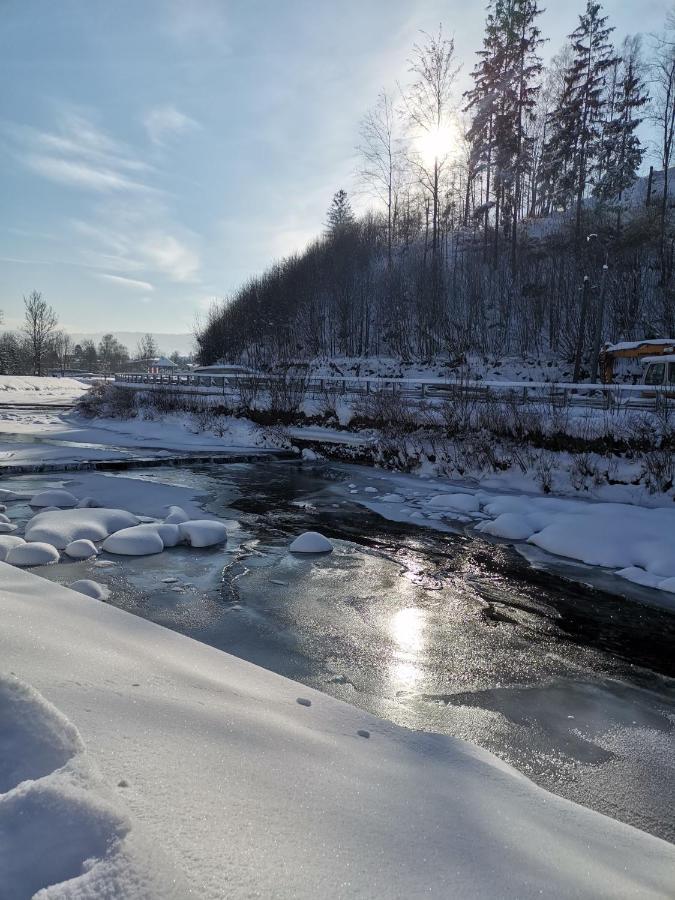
<point x="57" y="497"/>
<point x="62" y="836"/>
<point x="90" y="588"/>
<point x="7" y="541"/>
<point x="169" y="532"/>
<point x="140" y="540"/>
<point x="311" y="542"/>
<point x="33" y="554"/>
<point x="6" y="495"/>
<point x="4" y="518"/>
<point x="510" y="526"/>
<point x="88" y="503"/>
<point x="460" y="502"/>
<point x="81" y="549"/>
<point x="62" y="527"/>
<point x="176" y="515"/>
<point x="7" y="528"/>
<point x="203" y="532"/>
<point x="391" y="498"/>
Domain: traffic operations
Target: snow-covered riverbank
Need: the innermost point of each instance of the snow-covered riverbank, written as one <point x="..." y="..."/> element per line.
<point x="216" y="763"/>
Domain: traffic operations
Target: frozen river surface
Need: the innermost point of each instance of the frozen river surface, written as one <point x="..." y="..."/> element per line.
<point x="435" y="631"/>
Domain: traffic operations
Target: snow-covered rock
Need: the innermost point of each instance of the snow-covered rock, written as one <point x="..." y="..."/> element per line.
<point x="62" y="527"/>
<point x="140" y="540"/>
<point x="510" y="526"/>
<point x="169" y="532"/>
<point x="81" y="549"/>
<point x="7" y="541"/>
<point x="33" y="554"/>
<point x="311" y="542"/>
<point x="176" y="515"/>
<point x="459" y="502"/>
<point x="88" y="503"/>
<point x="90" y="588"/>
<point x="4" y="518"/>
<point x="7" y="528"/>
<point x="55" y="497"/>
<point x="7" y="495"/>
<point x="203" y="532"/>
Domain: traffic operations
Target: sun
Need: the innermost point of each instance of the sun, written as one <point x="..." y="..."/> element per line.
<point x="436" y="144"/>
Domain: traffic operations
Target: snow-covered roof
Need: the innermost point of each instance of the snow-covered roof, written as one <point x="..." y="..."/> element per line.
<point x="665" y="357"/>
<point x="633" y="345"/>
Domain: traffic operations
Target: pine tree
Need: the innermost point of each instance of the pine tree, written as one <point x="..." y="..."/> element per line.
<point x="575" y="149"/>
<point x="340" y="215"/>
<point x="622" y="147"/>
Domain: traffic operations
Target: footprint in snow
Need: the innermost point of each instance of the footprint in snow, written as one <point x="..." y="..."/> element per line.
<point x="363" y="733"/>
<point x="303" y="701"/>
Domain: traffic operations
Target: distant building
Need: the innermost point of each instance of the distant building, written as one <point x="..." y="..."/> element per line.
<point x="155" y="365"/>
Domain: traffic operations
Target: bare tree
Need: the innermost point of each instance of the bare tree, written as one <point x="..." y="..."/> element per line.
<point x="381" y="151"/>
<point x="40" y="320"/>
<point x="430" y="116"/>
<point x="147" y="347"/>
<point x="62" y="345"/>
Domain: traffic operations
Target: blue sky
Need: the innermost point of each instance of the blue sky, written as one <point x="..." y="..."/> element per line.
<point x="156" y="153"/>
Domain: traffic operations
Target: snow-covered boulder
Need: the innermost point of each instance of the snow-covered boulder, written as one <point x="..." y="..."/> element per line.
<point x="4" y="518"/>
<point x="7" y="495"/>
<point x="203" y="532"/>
<point x="7" y="541"/>
<point x="62" y="527"/>
<point x="81" y="549"/>
<point x="7" y="528"/>
<point x="88" y="503"/>
<point x="455" y="502"/>
<point x="511" y="526"/>
<point x="311" y="542"/>
<point x="140" y="540"/>
<point x="55" y="497"/>
<point x="33" y="554"/>
<point x="90" y="588"/>
<point x="169" y="532"/>
<point x="176" y="515"/>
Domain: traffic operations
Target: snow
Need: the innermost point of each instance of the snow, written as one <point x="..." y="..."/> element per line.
<point x="458" y="502"/>
<point x="176" y="515"/>
<point x="33" y="554"/>
<point x="7" y="527"/>
<point x="90" y="588"/>
<point x="62" y="527"/>
<point x="141" y="540"/>
<point x="81" y="549"/>
<point x="7" y="541"/>
<point x="45" y="390"/>
<point x="58" y="498"/>
<point x="203" y="532"/>
<point x="311" y="542"/>
<point x="134" y="742"/>
<point x="633" y="345"/>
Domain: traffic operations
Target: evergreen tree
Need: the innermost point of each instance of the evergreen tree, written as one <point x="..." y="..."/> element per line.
<point x="575" y="149"/>
<point x="340" y="215"/>
<point x="622" y="147"/>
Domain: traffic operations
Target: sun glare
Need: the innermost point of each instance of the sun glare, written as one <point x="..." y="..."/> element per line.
<point x="436" y="143"/>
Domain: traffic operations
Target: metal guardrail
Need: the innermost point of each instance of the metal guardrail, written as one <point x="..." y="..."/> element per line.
<point x="591" y="395"/>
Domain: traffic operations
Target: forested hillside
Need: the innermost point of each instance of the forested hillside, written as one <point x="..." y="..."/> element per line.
<point x="506" y="220"/>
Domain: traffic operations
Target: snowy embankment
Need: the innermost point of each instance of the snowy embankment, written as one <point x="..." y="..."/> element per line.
<point x="636" y="542"/>
<point x="252" y="785"/>
<point x="25" y="389"/>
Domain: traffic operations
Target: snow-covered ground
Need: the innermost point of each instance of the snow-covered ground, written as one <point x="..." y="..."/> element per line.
<point x="143" y="764"/>
<point x="27" y="389"/>
<point x="37" y="437"/>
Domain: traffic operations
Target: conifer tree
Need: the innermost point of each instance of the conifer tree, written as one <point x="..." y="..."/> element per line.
<point x="340" y="215"/>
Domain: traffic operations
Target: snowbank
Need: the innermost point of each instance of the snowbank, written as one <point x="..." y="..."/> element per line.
<point x="62" y="527"/>
<point x="58" y="498"/>
<point x="251" y="793"/>
<point x="311" y="542"/>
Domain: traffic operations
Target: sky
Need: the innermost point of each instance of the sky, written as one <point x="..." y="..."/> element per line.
<point x="155" y="154"/>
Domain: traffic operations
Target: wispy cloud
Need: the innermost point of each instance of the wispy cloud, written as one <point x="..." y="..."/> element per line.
<point x="170" y="256"/>
<point x="80" y="154"/>
<point x="131" y="283"/>
<point x="165" y="122"/>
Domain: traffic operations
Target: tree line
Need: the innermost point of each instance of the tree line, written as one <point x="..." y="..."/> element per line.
<point x="39" y="347"/>
<point x="507" y="220"/>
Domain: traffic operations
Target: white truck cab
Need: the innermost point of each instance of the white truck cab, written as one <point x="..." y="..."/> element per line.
<point x="659" y="371"/>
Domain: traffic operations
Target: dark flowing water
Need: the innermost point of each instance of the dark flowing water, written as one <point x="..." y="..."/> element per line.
<point x="436" y="631"/>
